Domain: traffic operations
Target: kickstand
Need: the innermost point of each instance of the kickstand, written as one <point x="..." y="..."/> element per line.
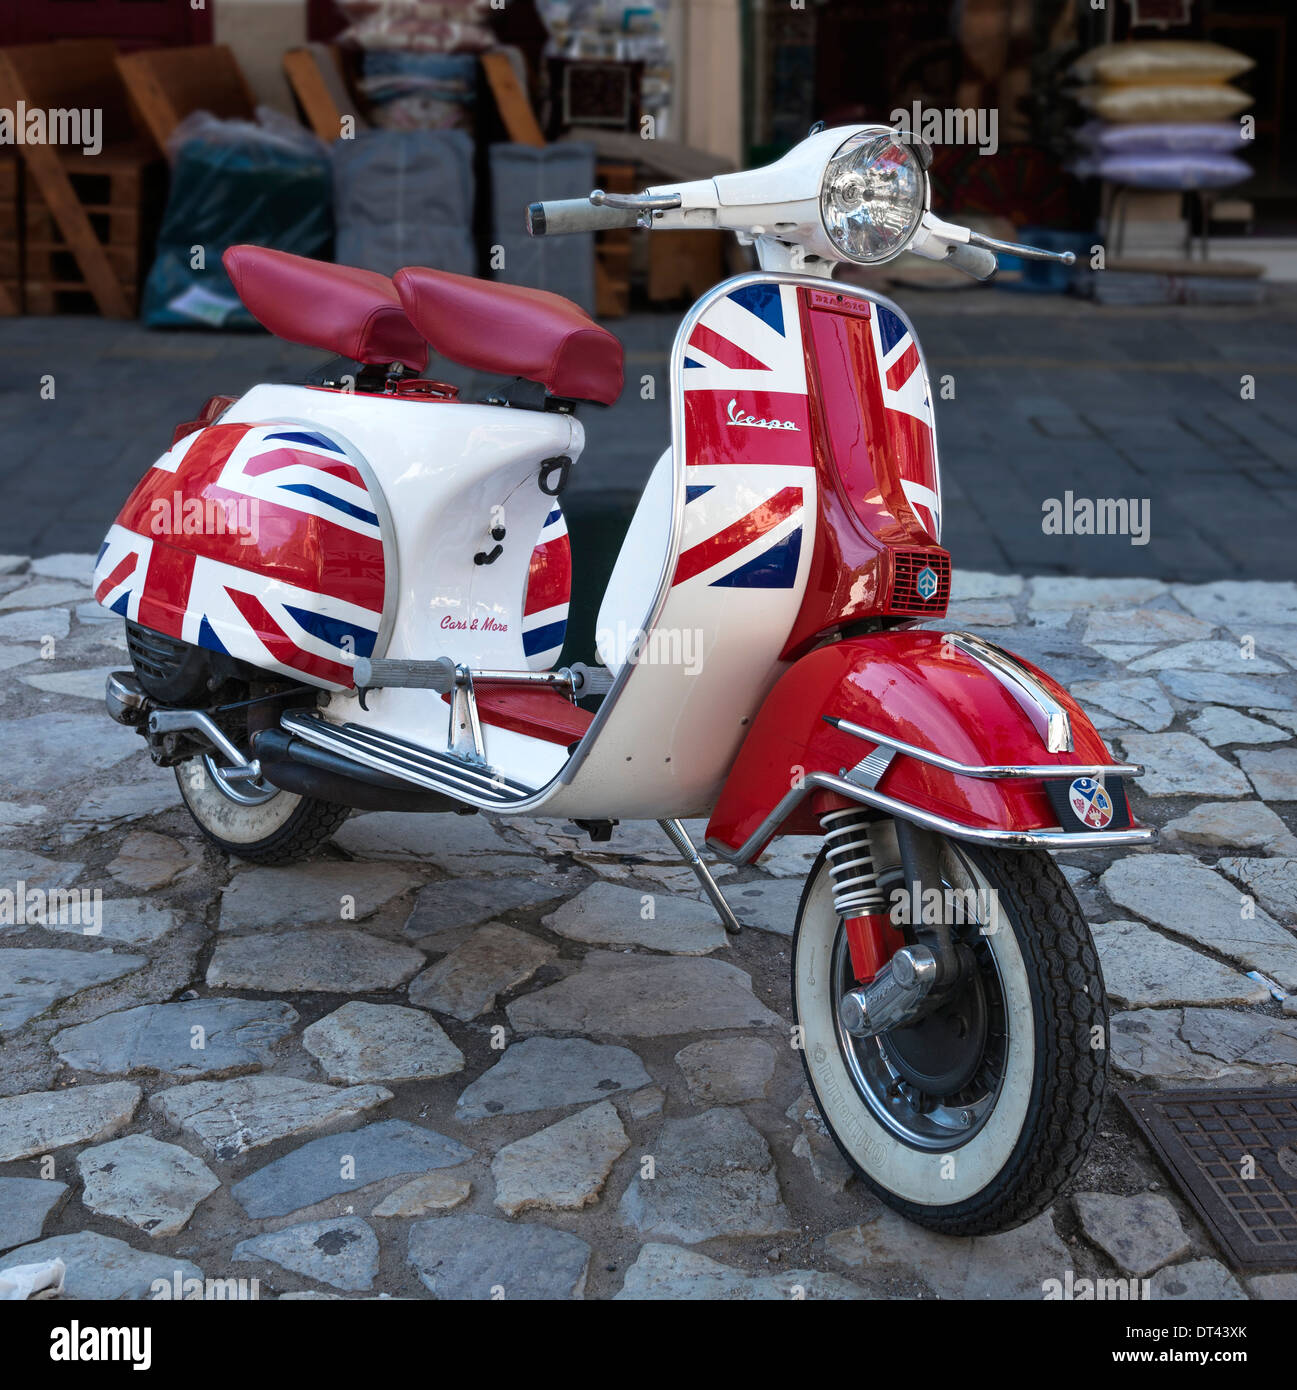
<point x="679" y="837"/>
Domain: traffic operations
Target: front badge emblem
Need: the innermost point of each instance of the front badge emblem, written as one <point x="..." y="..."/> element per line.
<point x="1090" y="802"/>
<point x="926" y="582"/>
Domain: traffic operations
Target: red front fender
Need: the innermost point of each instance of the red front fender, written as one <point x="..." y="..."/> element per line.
<point x="920" y="690"/>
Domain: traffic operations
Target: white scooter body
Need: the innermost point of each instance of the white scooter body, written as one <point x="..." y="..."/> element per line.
<point x="669" y="729"/>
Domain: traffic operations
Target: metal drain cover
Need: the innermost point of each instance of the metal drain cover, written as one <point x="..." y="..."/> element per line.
<point x="1205" y="1140"/>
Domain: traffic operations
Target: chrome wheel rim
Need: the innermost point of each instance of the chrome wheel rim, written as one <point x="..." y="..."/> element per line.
<point x="931" y="1122"/>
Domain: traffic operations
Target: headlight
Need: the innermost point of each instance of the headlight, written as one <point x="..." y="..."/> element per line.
<point x="873" y="194"/>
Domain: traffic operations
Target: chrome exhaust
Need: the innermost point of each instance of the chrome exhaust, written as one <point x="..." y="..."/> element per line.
<point x="892" y="996"/>
<point x="127" y="703"/>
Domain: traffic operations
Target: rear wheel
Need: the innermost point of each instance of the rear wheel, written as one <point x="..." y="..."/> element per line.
<point x="973" y="1118"/>
<point x="255" y="820"/>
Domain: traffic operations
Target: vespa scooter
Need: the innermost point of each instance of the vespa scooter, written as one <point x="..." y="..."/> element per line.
<point x="353" y="594"/>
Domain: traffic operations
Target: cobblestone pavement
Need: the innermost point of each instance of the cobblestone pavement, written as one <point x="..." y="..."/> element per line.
<point x="294" y="1075"/>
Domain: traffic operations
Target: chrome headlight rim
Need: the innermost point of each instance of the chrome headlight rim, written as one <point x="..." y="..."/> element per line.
<point x="910" y="144"/>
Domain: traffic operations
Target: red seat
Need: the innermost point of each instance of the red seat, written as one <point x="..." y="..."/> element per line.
<point x="337" y="308"/>
<point x="511" y="331"/>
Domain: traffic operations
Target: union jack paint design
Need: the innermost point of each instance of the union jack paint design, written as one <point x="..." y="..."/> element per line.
<point x="548" y="594"/>
<point x="750" y="476"/>
<point x="903" y="390"/>
<point x="260" y="540"/>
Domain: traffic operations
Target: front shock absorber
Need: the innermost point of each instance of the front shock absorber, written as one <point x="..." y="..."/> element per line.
<point x="857" y="894"/>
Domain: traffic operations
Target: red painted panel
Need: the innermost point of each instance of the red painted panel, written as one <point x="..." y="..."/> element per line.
<point x="911" y="686"/>
<point x="543" y="714"/>
<point x="864" y="450"/>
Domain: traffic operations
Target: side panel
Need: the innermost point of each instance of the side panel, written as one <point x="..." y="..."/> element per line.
<point x="263" y="540"/>
<point x="745" y="529"/>
<point x="915" y="687"/>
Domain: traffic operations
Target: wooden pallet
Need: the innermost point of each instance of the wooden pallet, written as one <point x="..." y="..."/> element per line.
<point x="69" y="189"/>
<point x="121" y="194"/>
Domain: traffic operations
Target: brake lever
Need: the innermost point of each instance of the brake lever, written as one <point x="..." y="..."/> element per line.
<point x="1025" y="253"/>
<point x="635" y="202"/>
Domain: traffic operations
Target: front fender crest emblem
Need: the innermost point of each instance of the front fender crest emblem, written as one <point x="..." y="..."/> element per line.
<point x="1090" y="802"/>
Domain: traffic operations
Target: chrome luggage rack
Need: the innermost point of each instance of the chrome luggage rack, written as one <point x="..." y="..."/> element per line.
<point x="860" y="783"/>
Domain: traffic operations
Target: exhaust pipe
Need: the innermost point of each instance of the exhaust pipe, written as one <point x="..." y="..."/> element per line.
<point x="289" y="763"/>
<point x="295" y="765"/>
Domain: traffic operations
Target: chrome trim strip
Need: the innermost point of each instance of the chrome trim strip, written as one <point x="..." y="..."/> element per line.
<point x="1009" y="671"/>
<point x="1045" y="771"/>
<point x="1050" y="839"/>
<point x="869" y="770"/>
<point x="420" y="766"/>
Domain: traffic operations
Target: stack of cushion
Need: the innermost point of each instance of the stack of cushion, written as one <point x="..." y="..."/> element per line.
<point x="1163" y="112"/>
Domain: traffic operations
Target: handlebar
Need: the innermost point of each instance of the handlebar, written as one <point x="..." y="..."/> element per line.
<point x="961" y="247"/>
<point x="577" y="215"/>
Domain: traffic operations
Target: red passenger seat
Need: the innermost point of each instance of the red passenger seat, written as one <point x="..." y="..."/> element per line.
<point x="511" y="331"/>
<point x="341" y="309"/>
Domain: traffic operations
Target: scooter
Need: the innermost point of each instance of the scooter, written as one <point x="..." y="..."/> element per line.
<point x="353" y="593"/>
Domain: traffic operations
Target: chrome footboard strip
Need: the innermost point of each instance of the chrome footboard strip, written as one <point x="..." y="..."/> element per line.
<point x="825" y="781"/>
<point x="420" y="766"/>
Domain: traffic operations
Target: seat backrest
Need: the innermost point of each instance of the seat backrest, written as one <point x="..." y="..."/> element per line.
<point x="508" y="330"/>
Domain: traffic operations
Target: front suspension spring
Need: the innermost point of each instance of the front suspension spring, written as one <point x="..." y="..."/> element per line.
<point x="856" y="891"/>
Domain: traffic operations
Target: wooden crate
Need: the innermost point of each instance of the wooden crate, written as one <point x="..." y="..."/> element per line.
<point x="11" y="234"/>
<point x="612" y="250"/>
<point x="682" y="265"/>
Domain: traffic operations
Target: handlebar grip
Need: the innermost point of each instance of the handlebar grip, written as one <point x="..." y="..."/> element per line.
<point x="973" y="260"/>
<point x="576" y="215"/>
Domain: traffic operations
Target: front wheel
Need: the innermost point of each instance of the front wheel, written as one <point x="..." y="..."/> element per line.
<point x="972" y="1119"/>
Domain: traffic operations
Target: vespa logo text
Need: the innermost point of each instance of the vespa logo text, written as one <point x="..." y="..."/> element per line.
<point x="751" y="421"/>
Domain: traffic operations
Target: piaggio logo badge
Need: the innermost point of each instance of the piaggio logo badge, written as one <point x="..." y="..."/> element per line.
<point x="926" y="582"/>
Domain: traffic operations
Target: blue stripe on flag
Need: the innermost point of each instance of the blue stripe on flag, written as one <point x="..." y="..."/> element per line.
<point x="692" y="493"/>
<point x="689" y="362"/>
<point x="764" y="302"/>
<point x="321" y="496"/>
<point x="890" y="329"/>
<point x="542" y="639"/>
<point x="100" y="556"/>
<point x="775" y="569"/>
<point x="334" y="630"/>
<point x="318" y="441"/>
<point x="122" y="604"/>
<point x="207" y="636"/>
<point x="555" y="515"/>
